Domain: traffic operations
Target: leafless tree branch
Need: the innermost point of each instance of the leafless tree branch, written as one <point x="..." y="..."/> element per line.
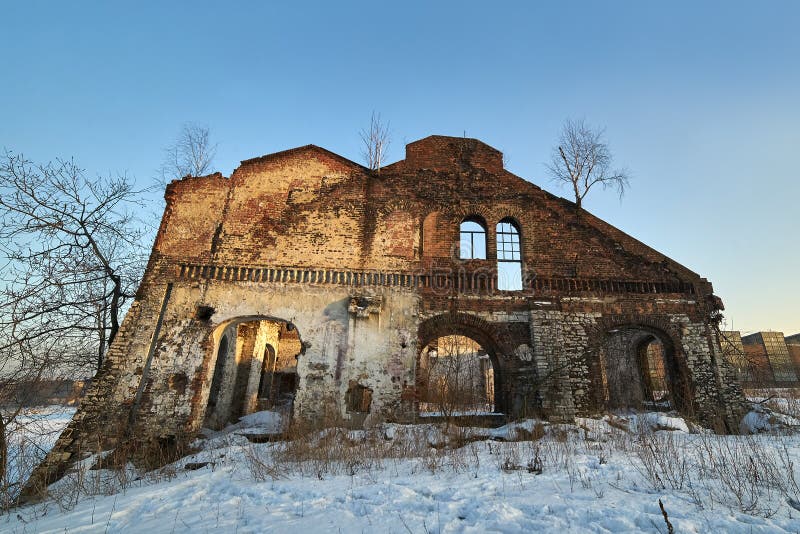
<point x="582" y="160"/>
<point x="192" y="154"/>
<point x="375" y="141"/>
<point x="70" y="259"/>
<point x="70" y="246"/>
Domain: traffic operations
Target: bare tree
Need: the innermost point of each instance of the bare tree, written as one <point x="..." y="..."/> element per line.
<point x="31" y="370"/>
<point x="582" y="159"/>
<point x="192" y="154"/>
<point x="456" y="376"/>
<point x="71" y="260"/>
<point x="375" y="141"/>
<point x="72" y="251"/>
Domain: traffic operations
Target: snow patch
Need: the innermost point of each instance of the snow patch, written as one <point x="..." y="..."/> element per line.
<point x="761" y="419"/>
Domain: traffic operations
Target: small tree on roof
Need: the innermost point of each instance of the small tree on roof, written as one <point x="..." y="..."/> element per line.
<point x="375" y="141"/>
<point x="582" y="159"/>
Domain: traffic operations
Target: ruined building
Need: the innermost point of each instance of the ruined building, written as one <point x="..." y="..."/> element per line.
<point x="309" y="283"/>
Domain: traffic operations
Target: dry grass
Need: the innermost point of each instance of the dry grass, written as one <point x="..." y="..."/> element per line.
<point x="750" y="474"/>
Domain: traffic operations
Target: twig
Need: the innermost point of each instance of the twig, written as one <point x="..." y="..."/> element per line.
<point x="670" y="530"/>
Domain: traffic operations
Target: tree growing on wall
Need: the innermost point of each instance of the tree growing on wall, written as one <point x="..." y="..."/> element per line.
<point x="191" y="154"/>
<point x="582" y="160"/>
<point x="375" y="142"/>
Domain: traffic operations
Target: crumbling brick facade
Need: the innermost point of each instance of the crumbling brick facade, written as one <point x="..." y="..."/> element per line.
<point x="365" y="268"/>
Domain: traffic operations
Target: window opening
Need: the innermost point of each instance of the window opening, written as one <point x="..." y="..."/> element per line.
<point x="509" y="257"/>
<point x="358" y="398"/>
<point x="473" y="240"/>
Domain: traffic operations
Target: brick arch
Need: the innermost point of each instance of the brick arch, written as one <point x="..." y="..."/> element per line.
<point x="681" y="385"/>
<point x="471" y="210"/>
<point x="440" y="229"/>
<point x="480" y="219"/>
<point x="514" y="222"/>
<point x="401" y="204"/>
<point x="662" y="325"/>
<point x="488" y="334"/>
<point x="502" y="211"/>
<point x="476" y="211"/>
<point x="496" y="344"/>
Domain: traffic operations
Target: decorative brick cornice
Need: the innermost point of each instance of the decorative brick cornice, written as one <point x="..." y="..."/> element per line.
<point x="462" y="281"/>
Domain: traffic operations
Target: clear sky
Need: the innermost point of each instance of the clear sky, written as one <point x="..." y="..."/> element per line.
<point x="701" y="101"/>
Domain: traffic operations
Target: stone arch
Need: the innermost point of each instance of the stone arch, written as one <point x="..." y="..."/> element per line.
<point x="618" y="341"/>
<point x="495" y="343"/>
<point x="236" y="382"/>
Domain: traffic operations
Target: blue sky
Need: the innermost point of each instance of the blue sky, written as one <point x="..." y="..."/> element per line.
<point x="701" y="102"/>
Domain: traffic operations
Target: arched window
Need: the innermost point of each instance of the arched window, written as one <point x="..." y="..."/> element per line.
<point x="509" y="257"/>
<point x="473" y="239"/>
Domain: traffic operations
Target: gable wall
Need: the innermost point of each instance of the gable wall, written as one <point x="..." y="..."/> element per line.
<point x="292" y="236"/>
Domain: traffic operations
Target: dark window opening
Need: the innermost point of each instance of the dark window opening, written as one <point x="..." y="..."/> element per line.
<point x="358" y="398"/>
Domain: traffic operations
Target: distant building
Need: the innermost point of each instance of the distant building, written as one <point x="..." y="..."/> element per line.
<point x="730" y="342"/>
<point x="793" y="344"/>
<point x="772" y="346"/>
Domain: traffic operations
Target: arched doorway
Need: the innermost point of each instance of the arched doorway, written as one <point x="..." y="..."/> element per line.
<point x="455" y="376"/>
<point x="655" y="383"/>
<point x="639" y="367"/>
<point x="254" y="368"/>
<point x="457" y="366"/>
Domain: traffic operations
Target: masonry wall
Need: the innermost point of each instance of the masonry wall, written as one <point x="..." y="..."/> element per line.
<point x="365" y="266"/>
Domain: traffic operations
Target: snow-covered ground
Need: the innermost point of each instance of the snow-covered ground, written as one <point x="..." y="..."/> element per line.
<point x="598" y="475"/>
<point x="31" y="434"/>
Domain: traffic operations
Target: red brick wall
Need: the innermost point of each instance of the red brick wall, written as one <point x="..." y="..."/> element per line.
<point x="310" y="208"/>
